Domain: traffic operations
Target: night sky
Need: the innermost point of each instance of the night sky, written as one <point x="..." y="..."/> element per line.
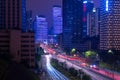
<point x="44" y="7"/>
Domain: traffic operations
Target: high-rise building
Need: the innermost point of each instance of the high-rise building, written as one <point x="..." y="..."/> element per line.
<point x="10" y="14"/>
<point x="72" y="23"/>
<point x="41" y="29"/>
<point x="13" y="14"/>
<point x="12" y="38"/>
<point x="87" y="7"/>
<point x="20" y="45"/>
<point x="93" y="21"/>
<point x="93" y="25"/>
<point x="110" y="25"/>
<point x="57" y="19"/>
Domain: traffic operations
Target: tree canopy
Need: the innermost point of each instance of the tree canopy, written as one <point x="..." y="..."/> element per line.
<point x="90" y="54"/>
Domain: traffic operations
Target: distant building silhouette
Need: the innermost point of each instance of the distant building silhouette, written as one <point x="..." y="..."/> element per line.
<point x="41" y="29"/>
<point x="57" y="19"/>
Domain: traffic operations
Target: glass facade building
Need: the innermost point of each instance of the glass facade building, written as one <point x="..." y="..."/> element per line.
<point x="57" y="19"/>
<point x="72" y="23"/>
<point x="41" y="29"/>
<point x="87" y="7"/>
<point x="93" y="19"/>
<point x="110" y="25"/>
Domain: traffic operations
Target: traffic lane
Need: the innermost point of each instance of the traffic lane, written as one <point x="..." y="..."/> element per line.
<point x="94" y="75"/>
<point x="101" y="71"/>
<point x="55" y="75"/>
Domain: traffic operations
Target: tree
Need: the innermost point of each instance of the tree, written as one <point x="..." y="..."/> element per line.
<point x="90" y="54"/>
<point x="86" y="77"/>
<point x="39" y="52"/>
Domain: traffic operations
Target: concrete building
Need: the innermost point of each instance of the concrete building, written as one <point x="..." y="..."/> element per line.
<point x="57" y="19"/>
<point x="41" y="29"/>
<point x="14" y="39"/>
<point x="20" y="45"/>
<point x="110" y="25"/>
<point x="10" y="14"/>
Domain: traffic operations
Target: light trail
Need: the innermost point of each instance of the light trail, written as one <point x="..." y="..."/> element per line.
<point x="55" y="75"/>
<point x="94" y="75"/>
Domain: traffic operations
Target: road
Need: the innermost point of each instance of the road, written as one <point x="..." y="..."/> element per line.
<point x="94" y="75"/>
<point x="53" y="73"/>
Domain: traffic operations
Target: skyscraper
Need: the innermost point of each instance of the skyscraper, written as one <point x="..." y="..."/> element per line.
<point x="87" y="7"/>
<point x="13" y="40"/>
<point x="10" y="14"/>
<point x="93" y="19"/>
<point x="72" y="22"/>
<point x="110" y="25"/>
<point x="57" y="19"/>
<point x="41" y="29"/>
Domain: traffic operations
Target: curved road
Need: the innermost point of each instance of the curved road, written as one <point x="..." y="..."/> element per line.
<point x="94" y="75"/>
<point x="54" y="74"/>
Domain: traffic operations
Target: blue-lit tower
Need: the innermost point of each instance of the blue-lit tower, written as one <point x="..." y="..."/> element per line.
<point x="41" y="29"/>
<point x="24" y="26"/>
<point x="110" y="25"/>
<point x="57" y="19"/>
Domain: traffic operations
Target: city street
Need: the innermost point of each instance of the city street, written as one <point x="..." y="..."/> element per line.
<point x="100" y="74"/>
<point x="53" y="74"/>
<point x="94" y="75"/>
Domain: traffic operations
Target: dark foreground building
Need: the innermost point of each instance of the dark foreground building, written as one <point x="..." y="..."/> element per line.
<point x="12" y="38"/>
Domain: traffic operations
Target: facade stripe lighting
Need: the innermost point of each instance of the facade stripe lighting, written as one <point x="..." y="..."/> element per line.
<point x="107" y="5"/>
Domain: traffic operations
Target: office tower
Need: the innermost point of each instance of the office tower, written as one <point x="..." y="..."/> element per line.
<point x="93" y="25"/>
<point x="93" y="22"/>
<point x="57" y="19"/>
<point x="110" y="25"/>
<point x="10" y="14"/>
<point x="87" y="7"/>
<point x="29" y="20"/>
<point x="41" y="29"/>
<point x="12" y="38"/>
<point x="72" y="23"/>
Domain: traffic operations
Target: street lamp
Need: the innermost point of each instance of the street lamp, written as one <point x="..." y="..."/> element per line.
<point x="111" y="52"/>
